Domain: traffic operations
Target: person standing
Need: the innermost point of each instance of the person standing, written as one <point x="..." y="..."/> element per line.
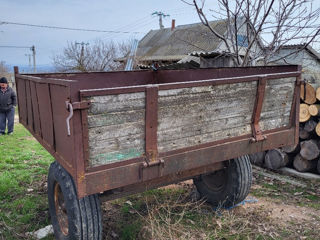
<point x="8" y="101"/>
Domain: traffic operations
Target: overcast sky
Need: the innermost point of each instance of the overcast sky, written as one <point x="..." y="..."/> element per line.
<point x="120" y="15"/>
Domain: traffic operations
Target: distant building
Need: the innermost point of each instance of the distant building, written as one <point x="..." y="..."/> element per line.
<point x="308" y="58"/>
<point x="188" y="46"/>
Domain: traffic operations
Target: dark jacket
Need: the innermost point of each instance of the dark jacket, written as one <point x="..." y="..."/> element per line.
<point x="8" y="99"/>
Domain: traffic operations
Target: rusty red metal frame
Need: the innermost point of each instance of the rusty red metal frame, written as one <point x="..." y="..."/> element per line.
<point x="156" y="169"/>
<point x="257" y="133"/>
<point x="167" y="86"/>
<point x="180" y="163"/>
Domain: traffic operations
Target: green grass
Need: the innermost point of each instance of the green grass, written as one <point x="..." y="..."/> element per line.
<point x="150" y="215"/>
<point x="23" y="199"/>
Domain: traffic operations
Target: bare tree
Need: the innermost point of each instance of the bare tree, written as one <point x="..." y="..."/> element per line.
<point x="264" y="27"/>
<point x="98" y="56"/>
<point x="3" y="68"/>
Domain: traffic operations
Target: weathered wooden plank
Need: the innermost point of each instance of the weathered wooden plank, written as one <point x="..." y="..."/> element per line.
<point x="115" y="118"/>
<point x="111" y="157"/>
<point x="281" y="95"/>
<point x="219" y="91"/>
<point x="273" y="123"/>
<point x="201" y="127"/>
<point x="229" y="104"/>
<point x="116" y="128"/>
<point x="114" y="131"/>
<point x="116" y="103"/>
<point x="187" y="117"/>
<point x="117" y="144"/>
<point x="276" y="112"/>
<point x="277" y="104"/>
<point x="195" y="116"/>
<point x="203" y="138"/>
<point x="215" y="91"/>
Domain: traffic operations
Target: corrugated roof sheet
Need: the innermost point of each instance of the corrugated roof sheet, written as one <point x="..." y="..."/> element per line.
<point x="210" y="54"/>
<point x="186" y="62"/>
<point x="167" y="44"/>
<point x="308" y="48"/>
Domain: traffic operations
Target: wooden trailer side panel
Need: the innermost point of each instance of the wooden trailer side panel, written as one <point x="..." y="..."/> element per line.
<point x="277" y="103"/>
<point x="187" y="117"/>
<point x="198" y="115"/>
<point x="116" y="128"/>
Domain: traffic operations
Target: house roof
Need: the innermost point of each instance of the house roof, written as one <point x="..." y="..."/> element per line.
<point x="173" y="45"/>
<point x="185" y="62"/>
<point x="299" y="46"/>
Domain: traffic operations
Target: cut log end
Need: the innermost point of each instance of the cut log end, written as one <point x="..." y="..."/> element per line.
<point x="304" y="113"/>
<point x="318" y="93"/>
<point x="303" y="165"/>
<point x="303" y="134"/>
<point x="308" y="93"/>
<point x="310" y="126"/>
<point x="318" y="129"/>
<point x="309" y="150"/>
<point x="257" y="158"/>
<point x="291" y="149"/>
<point x="276" y="159"/>
<point x="314" y="109"/>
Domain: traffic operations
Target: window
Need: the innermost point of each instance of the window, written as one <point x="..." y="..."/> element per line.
<point x="242" y="41"/>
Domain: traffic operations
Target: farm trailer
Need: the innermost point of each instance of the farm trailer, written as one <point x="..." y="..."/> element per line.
<point x="117" y="133"/>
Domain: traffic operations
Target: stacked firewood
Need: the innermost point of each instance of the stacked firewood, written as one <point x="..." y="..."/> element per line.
<point x="305" y="156"/>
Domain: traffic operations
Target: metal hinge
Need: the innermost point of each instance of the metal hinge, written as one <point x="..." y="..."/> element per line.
<point x="257" y="134"/>
<point x="81" y="105"/>
<point x="147" y="164"/>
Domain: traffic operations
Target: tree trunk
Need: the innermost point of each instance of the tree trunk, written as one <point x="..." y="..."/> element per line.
<point x="308" y="94"/>
<point x="257" y="158"/>
<point x="304" y="113"/>
<point x="309" y="149"/>
<point x="303" y="165"/>
<point x="303" y="134"/>
<point x="314" y="110"/>
<point x="276" y="159"/>
<point x="310" y="126"/>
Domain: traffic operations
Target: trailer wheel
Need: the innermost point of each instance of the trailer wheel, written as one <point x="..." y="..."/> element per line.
<point x="228" y="186"/>
<point x="72" y="218"/>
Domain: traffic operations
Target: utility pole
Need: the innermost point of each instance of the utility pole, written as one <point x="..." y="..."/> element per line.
<point x="160" y="15"/>
<point x="33" y="49"/>
<point x="82" y="54"/>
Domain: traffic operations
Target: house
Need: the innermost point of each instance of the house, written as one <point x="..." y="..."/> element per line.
<point x="308" y="57"/>
<point x="189" y="46"/>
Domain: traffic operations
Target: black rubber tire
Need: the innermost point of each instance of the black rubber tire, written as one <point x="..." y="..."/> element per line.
<point x="84" y="215"/>
<point x="235" y="182"/>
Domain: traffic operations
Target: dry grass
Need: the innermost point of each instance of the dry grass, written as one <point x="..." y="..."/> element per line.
<point x="170" y="214"/>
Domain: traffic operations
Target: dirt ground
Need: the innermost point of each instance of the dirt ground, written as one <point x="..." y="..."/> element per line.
<point x="274" y="210"/>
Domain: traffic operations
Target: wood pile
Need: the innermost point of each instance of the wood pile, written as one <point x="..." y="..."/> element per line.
<point x="305" y="156"/>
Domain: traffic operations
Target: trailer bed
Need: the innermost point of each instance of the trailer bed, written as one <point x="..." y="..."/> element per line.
<point x="127" y="131"/>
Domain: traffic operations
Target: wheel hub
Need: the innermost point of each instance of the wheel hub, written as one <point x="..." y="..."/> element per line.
<point x="216" y="181"/>
<point x="61" y="211"/>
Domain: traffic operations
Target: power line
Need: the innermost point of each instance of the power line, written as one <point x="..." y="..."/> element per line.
<point x="64" y="28"/>
<point x="14" y="47"/>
